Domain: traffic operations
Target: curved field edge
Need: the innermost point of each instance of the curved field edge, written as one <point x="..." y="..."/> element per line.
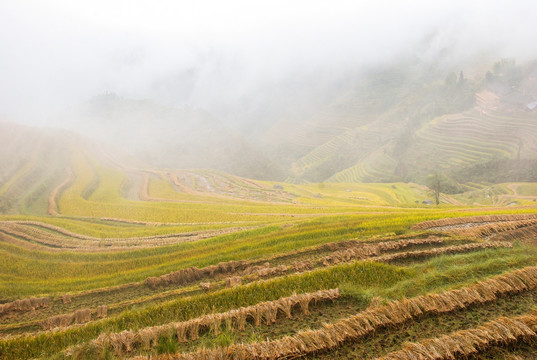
<point x="42" y="272"/>
<point x="387" y="281"/>
<point x="371" y="274"/>
<point x="144" y="293"/>
<point x="502" y="331"/>
<point x="368" y="321"/>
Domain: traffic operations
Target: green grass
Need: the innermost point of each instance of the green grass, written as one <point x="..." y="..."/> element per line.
<point x="367" y="274"/>
<point x="25" y="272"/>
<point x="387" y="281"/>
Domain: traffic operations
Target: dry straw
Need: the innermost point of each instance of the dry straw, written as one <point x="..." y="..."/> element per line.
<point x="362" y="251"/>
<point x="192" y="274"/>
<point x="460" y="344"/>
<point x="80" y="316"/>
<point x="233" y="281"/>
<point x="529" y="232"/>
<point x="102" y="311"/>
<point x="265" y="312"/>
<point x="266" y="270"/>
<point x="23" y="305"/>
<point x="205" y="286"/>
<point x="352" y="250"/>
<point x="490" y="229"/>
<point x="472" y="220"/>
<point x="368" y="321"/>
<point x="441" y="251"/>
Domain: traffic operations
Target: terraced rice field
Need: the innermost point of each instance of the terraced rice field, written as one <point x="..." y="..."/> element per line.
<point x="107" y="260"/>
<point x="354" y="294"/>
<point x="476" y="136"/>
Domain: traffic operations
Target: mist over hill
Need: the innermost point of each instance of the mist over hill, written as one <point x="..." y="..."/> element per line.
<point x="167" y="137"/>
<point x="316" y="92"/>
<point x="396" y="122"/>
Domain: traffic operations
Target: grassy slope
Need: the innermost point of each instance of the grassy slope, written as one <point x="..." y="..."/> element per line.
<point x="319" y="213"/>
<point x="307" y="215"/>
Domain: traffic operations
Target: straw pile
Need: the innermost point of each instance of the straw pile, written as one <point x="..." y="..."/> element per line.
<point x="472" y="220"/>
<point x="233" y="281"/>
<point x="299" y="266"/>
<point x="225" y="267"/>
<point x="181" y="277"/>
<point x="60" y="321"/>
<point x="440" y="251"/>
<point x="502" y="331"/>
<point x="363" y="251"/>
<point x="189" y="275"/>
<point x="265" y="270"/>
<point x="490" y="229"/>
<point x="252" y="269"/>
<point x="21" y="305"/>
<point x="81" y="316"/>
<point x="57" y="321"/>
<point x="366" y="322"/>
<point x="102" y="311"/>
<point x="529" y="232"/>
<point x="266" y="312"/>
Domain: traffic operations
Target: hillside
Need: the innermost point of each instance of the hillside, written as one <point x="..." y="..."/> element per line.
<point x="403" y="123"/>
<point x="396" y="122"/>
<point x="53" y="172"/>
<point x="106" y="257"/>
<point x="203" y="265"/>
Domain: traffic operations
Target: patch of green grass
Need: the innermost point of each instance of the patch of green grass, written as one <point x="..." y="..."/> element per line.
<point x="364" y="273"/>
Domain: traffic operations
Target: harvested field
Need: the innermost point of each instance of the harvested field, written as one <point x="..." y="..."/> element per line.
<point x="30" y="304"/>
<point x="472" y="220"/>
<point x="362" y="251"/>
<point x="103" y="256"/>
<point x="502" y="331"/>
<point x="439" y="251"/>
<point x="392" y="339"/>
<point x="489" y="230"/>
<point x="247" y="271"/>
<point x="528" y="233"/>
<point x="237" y="320"/>
<point x="365" y="323"/>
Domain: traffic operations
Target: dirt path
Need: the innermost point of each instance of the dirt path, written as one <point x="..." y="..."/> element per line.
<point x="513" y="188"/>
<point x="175" y="181"/>
<point x="52" y="199"/>
<point x="515" y="195"/>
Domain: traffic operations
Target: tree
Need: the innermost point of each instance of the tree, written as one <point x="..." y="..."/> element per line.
<point x="461" y="80"/>
<point x="436" y="183"/>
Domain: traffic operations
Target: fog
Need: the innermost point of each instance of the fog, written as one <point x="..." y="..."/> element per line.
<point x="257" y="88"/>
<point x="211" y="54"/>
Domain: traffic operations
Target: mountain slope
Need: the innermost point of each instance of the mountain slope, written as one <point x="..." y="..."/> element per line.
<point x="402" y="124"/>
